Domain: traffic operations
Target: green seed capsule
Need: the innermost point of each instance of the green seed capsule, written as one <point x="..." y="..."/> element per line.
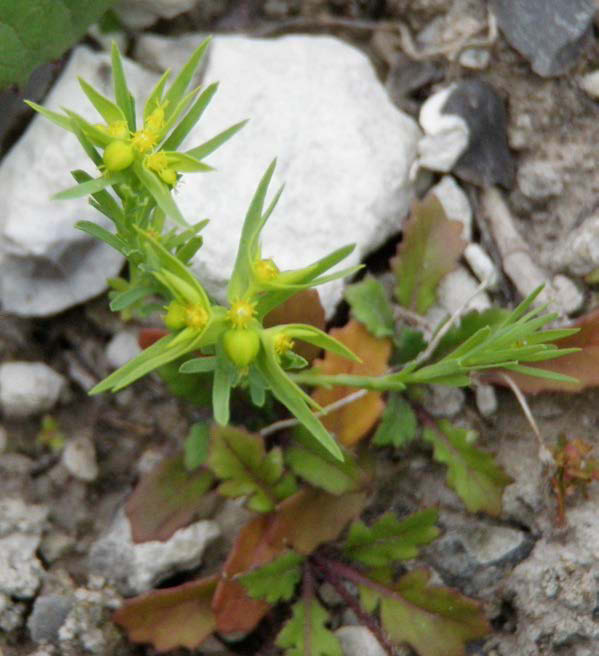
<point x="169" y="176"/>
<point x="176" y="316"/>
<point x="118" y="155"/>
<point x="241" y="346"/>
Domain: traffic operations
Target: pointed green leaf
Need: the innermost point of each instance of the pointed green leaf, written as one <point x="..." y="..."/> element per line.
<point x="62" y="121"/>
<point x="221" y="388"/>
<point x="110" y="112"/>
<point x="275" y="581"/>
<point x="313" y="335"/>
<point x="101" y="233"/>
<point x="151" y="358"/>
<point x="199" y="365"/>
<point x="474" y="475"/>
<point x="177" y="136"/>
<point x="369" y="305"/>
<point x="104" y="202"/>
<point x="306" y="634"/>
<point x="185" y="163"/>
<point x="90" y="187"/>
<point x="160" y="192"/>
<point x="203" y="150"/>
<point x="398" y="425"/>
<point x="121" y="90"/>
<point x="389" y="540"/>
<point x="155" y="97"/>
<point x="181" y="82"/>
<point x="124" y="299"/>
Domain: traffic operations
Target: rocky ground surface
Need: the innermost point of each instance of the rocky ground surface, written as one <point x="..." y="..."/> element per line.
<point x="495" y="106"/>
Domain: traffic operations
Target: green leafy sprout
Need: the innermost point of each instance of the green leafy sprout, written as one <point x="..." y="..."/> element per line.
<point x="306" y="494"/>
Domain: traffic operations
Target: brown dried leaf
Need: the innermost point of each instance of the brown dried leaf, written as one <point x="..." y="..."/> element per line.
<point x="352" y="422"/>
<point x="304" y="307"/>
<point x="170" y="618"/>
<point x="234" y="609"/>
<point x="168" y="498"/>
<point x="583" y="365"/>
<point x="313" y="516"/>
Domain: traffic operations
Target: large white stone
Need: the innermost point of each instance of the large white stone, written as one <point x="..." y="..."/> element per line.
<point x="138" y="14"/>
<point x="344" y="151"/>
<point x="46" y="265"/>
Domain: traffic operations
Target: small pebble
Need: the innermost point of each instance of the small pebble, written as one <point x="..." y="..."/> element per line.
<point x="79" y="458"/>
<point x="29" y="388"/>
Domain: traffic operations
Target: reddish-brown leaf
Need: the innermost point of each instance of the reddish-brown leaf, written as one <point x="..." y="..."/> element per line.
<point x="170" y="618"/>
<point x="168" y="498"/>
<point x="313" y="516"/>
<point x="353" y="422"/>
<point x="234" y="610"/>
<point x="304" y="307"/>
<point x="148" y="336"/>
<point x="583" y="365"/>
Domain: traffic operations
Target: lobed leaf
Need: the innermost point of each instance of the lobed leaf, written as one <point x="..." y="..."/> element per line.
<point x="474" y="475"/>
<point x="398" y="426"/>
<point x="389" y="540"/>
<point x="369" y="305"/>
<point x="240" y="460"/>
<point x="276" y="581"/>
<point x="435" y="621"/>
<point x="430" y="249"/>
<point x="170" y="618"/>
<point x="306" y="634"/>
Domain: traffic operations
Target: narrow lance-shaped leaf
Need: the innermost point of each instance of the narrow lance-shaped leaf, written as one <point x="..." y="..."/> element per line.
<point x="434" y="621"/>
<point x="275" y="581"/>
<point x="430" y="249"/>
<point x="203" y="150"/>
<point x="389" y="540"/>
<point x="177" y="89"/>
<point x="121" y="91"/>
<point x="110" y="112"/>
<point x="98" y="232"/>
<point x="474" y="475"/>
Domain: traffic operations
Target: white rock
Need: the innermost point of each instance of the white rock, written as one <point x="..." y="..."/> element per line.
<point x="138" y="14"/>
<point x="135" y="568"/>
<point x="475" y="58"/>
<point x="539" y="180"/>
<point x="122" y="348"/>
<point x="443" y="401"/>
<point x="482" y="265"/>
<point x="20" y="570"/>
<point x="344" y="151"/>
<point x="590" y="84"/>
<point x="21" y="517"/>
<point x="455" y="203"/>
<point x="79" y="458"/>
<point x="459" y="286"/>
<point x="55" y="545"/>
<point x="45" y="264"/>
<point x="358" y="641"/>
<point x="486" y="399"/>
<point x="446" y="135"/>
<point x="28" y="388"/>
<point x="579" y="253"/>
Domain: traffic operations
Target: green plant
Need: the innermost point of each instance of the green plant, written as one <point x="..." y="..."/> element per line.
<point x="304" y="495"/>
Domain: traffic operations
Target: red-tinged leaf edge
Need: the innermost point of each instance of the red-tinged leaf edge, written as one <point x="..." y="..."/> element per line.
<point x="170" y="618"/>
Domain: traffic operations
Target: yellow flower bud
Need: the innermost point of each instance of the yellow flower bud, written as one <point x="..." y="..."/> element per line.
<point x="118" y="155"/>
<point x="144" y="140"/>
<point x="283" y="343"/>
<point x="266" y="270"/>
<point x="118" y="129"/>
<point x="241" y="346"/>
